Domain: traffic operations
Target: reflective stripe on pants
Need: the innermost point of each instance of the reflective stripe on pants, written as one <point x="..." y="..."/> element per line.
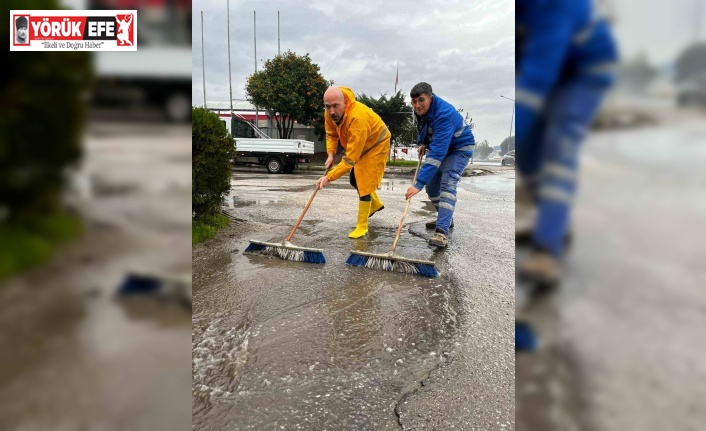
<point x="442" y="188"/>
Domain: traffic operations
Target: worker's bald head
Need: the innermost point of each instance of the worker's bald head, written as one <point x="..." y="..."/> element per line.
<point x="335" y="103"/>
<point x="333" y="93"/>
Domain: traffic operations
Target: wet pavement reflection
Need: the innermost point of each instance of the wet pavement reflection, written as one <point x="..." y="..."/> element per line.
<point x="293" y="345"/>
<point x="286" y="336"/>
<point x="73" y="355"/>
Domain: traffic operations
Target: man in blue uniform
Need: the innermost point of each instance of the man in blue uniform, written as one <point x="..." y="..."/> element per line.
<point x="565" y="59"/>
<point x="448" y="144"/>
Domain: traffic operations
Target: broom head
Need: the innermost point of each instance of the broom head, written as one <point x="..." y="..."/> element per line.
<point x="392" y="262"/>
<point x="286" y="251"/>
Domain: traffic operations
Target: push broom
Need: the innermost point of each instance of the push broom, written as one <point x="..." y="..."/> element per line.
<point x="390" y="261"/>
<point x="286" y="250"/>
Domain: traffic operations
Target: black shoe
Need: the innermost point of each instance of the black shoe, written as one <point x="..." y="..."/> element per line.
<point x="432" y="224"/>
<point x="524" y="237"/>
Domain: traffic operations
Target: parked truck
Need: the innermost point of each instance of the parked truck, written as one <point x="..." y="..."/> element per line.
<point x="158" y="74"/>
<point x="254" y="147"/>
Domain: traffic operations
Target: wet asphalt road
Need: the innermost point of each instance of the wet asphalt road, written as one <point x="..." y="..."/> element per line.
<point x="279" y="344"/>
<point x="618" y="340"/>
<point x="73" y="355"/>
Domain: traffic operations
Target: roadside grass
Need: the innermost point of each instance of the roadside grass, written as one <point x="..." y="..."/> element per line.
<point x="33" y="241"/>
<point x="206" y="227"/>
<point x="411" y="163"/>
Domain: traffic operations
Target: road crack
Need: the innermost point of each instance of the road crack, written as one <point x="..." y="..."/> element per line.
<point x="417" y="386"/>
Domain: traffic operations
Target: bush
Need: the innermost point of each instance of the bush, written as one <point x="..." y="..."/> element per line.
<point x="45" y="96"/>
<point x="33" y="242"/>
<point x="212" y="151"/>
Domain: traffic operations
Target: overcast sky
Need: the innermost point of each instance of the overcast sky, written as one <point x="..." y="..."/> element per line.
<point x="464" y="49"/>
<point x="660" y="29"/>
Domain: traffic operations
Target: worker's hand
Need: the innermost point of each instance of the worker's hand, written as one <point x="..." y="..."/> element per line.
<point x="322" y="182"/>
<point x="421" y="150"/>
<point x="329" y="162"/>
<point x="411" y="192"/>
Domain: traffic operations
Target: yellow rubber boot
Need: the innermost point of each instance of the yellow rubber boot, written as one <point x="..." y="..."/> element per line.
<point x="362" y="226"/>
<point x="375" y="204"/>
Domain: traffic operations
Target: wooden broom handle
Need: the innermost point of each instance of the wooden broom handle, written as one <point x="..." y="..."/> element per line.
<point x="301" y="217"/>
<point x="399" y="228"/>
<point x="406" y="208"/>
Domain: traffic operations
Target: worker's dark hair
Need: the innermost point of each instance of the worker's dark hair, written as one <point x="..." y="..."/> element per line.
<point x="419" y="89"/>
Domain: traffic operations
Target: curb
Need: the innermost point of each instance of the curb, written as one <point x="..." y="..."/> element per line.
<point x="469" y="172"/>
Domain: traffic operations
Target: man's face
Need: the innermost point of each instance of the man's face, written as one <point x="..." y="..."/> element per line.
<point x="421" y="104"/>
<point x="22" y="32"/>
<point x="335" y="106"/>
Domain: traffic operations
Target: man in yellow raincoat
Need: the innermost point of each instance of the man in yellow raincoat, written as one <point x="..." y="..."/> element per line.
<point x="366" y="141"/>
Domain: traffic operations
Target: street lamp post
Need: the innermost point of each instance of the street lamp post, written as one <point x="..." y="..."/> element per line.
<point x="512" y="119"/>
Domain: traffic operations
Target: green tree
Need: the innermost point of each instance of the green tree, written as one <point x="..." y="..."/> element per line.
<point x="396" y="114"/>
<point x="291" y="88"/>
<point x="212" y="150"/>
<point x="508" y="144"/>
<point x="483" y="150"/>
<point x="691" y="61"/>
<point x="319" y="127"/>
<point x="636" y="73"/>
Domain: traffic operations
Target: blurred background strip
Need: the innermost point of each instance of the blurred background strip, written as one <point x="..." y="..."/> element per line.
<point x="95" y="255"/>
<point x="614" y="341"/>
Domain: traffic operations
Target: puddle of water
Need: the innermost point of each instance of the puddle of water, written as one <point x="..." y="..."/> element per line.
<point x="291" y="189"/>
<point x="103" y="188"/>
<point x="237" y="203"/>
<point x="324" y="345"/>
<point x="495" y="184"/>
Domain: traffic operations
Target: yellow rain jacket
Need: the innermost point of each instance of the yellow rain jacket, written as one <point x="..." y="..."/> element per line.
<point x="366" y="140"/>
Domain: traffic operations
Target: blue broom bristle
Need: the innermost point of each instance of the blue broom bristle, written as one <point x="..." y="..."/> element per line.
<point x="525" y="338"/>
<point x="357" y="260"/>
<point x="389" y="264"/>
<point x="253" y="248"/>
<point x="427" y="270"/>
<point x="314" y="257"/>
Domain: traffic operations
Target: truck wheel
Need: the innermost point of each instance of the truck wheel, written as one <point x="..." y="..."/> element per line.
<point x="274" y="165"/>
<point x="177" y="108"/>
<point x="289" y="168"/>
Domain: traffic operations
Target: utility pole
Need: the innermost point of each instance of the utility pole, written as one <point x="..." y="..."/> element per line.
<point x="278" y="33"/>
<point x="697" y="21"/>
<point x="230" y="83"/>
<point x="203" y="65"/>
<point x="512" y="119"/>
<point x="254" y="29"/>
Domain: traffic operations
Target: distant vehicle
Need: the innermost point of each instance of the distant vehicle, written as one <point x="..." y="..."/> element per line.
<point x="495" y="159"/>
<point x="508" y="159"/>
<point x="254" y="147"/>
<point x="692" y="92"/>
<point x="158" y="74"/>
